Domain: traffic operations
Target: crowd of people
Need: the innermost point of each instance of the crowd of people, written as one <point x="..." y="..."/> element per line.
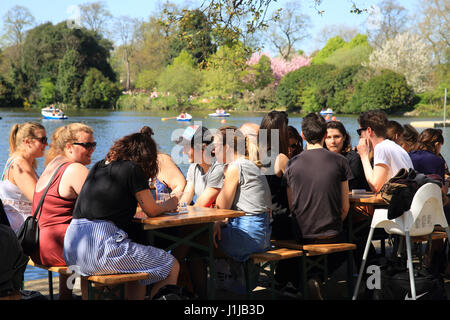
<point x="292" y="185"/>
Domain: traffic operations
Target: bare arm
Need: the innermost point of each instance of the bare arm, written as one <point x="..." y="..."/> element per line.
<point x="280" y="164"/>
<point x="149" y="205"/>
<point x="226" y="196"/>
<point x="207" y="198"/>
<point x="72" y="180"/>
<point x="376" y="176"/>
<point x="170" y="174"/>
<point x="24" y="177"/>
<point x="345" y="200"/>
<point x="188" y="194"/>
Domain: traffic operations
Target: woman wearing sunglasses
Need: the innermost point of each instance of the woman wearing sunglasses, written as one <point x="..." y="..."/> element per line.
<point x="27" y="142"/>
<point x="72" y="147"/>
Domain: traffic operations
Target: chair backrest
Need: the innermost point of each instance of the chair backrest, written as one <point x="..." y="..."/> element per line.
<point x="426" y="211"/>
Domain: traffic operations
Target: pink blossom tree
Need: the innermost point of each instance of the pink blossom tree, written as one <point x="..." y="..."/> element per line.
<point x="280" y="66"/>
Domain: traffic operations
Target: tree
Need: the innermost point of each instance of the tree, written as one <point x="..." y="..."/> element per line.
<point x="354" y="52"/>
<point x="391" y="20"/>
<point x="16" y="20"/>
<point x="194" y="36"/>
<point x="180" y="79"/>
<point x="95" y="16"/>
<point x="330" y="48"/>
<point x="289" y="29"/>
<point x="408" y="55"/>
<point x="280" y="67"/>
<point x="69" y="79"/>
<point x="127" y="32"/>
<point x="387" y="91"/>
<point x="97" y="91"/>
<point x="345" y="32"/>
<point x="47" y="93"/>
<point x="434" y="27"/>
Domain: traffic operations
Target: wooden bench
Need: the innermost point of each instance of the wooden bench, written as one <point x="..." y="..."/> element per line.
<point x="320" y="252"/>
<point x="50" y="269"/>
<point x="263" y="260"/>
<point x="105" y="286"/>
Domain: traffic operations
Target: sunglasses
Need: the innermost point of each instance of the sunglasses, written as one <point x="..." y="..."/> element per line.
<point x="294" y="145"/>
<point x="86" y="145"/>
<point x="360" y="130"/>
<point x="43" y="139"/>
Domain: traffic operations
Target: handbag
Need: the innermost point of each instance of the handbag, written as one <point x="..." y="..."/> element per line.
<point x="28" y="233"/>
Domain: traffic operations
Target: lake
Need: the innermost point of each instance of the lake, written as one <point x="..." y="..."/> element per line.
<point x="110" y="125"/>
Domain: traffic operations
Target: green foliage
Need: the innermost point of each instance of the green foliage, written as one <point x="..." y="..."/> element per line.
<point x="262" y="99"/>
<point x="7" y="98"/>
<point x="224" y="73"/>
<point x="49" y="50"/>
<point x="147" y="79"/>
<point x="330" y="48"/>
<point x="97" y="91"/>
<point x="180" y="79"/>
<point x="47" y="93"/>
<point x="262" y="73"/>
<point x="194" y="36"/>
<point x="69" y="80"/>
<point x="387" y="91"/>
<point x="292" y="85"/>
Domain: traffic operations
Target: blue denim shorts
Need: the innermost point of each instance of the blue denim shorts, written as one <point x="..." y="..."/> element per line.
<point x="245" y="235"/>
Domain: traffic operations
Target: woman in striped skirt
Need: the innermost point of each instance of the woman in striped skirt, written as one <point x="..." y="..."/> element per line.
<point x="97" y="241"/>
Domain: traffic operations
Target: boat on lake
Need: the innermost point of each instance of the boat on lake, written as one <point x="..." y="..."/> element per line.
<point x="219" y="115"/>
<point x="53" y="113"/>
<point x="328" y="112"/>
<point x="184" y="117"/>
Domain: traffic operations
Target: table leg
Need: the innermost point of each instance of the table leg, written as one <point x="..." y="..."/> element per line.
<point x="212" y="269"/>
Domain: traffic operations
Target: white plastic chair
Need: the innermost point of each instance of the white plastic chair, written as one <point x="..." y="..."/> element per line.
<point x="426" y="211"/>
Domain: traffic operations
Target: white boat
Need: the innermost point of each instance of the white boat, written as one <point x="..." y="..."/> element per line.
<point x="219" y="115"/>
<point x="53" y="113"/>
<point x="326" y="112"/>
<point x="187" y="117"/>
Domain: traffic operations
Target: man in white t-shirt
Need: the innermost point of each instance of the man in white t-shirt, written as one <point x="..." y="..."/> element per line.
<point x="388" y="157"/>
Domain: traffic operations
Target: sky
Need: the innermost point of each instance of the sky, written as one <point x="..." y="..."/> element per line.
<point x="337" y="12"/>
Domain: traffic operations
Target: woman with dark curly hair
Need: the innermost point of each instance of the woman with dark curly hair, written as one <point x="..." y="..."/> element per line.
<point x="97" y="240"/>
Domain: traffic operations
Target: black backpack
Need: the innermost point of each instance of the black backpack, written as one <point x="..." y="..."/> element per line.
<point x="395" y="284"/>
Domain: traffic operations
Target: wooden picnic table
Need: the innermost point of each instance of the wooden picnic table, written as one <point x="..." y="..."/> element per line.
<point x="205" y="217"/>
<point x="362" y="206"/>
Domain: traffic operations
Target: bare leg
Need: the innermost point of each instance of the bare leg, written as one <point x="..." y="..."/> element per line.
<point x="172" y="278"/>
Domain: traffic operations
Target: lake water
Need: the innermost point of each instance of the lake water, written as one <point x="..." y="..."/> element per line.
<point x="111" y="125"/>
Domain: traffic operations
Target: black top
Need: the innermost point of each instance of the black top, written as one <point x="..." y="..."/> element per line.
<point x="109" y="193"/>
<point x="314" y="177"/>
<point x="359" y="179"/>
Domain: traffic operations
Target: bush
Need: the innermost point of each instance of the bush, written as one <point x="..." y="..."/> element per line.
<point x="97" y="91"/>
<point x="7" y="98"/>
<point x="387" y="91"/>
<point x="293" y="84"/>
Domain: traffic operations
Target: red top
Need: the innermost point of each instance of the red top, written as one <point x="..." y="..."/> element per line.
<point x="53" y="222"/>
<point x="55" y="209"/>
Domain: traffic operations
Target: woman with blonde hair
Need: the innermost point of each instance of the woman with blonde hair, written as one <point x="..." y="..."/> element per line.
<point x="70" y="151"/>
<point x="27" y="142"/>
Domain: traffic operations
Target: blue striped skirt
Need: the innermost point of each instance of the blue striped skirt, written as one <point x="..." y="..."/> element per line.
<point x="98" y="247"/>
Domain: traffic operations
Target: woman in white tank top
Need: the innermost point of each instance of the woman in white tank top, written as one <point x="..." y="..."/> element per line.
<point x="27" y="142"/>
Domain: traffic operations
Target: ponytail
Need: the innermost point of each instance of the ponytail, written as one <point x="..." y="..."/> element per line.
<point x="12" y="139"/>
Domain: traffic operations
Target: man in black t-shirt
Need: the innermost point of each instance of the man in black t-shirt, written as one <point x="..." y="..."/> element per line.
<point x="317" y="186"/>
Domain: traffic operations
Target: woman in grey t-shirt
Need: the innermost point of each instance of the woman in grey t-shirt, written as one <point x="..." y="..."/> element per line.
<point x="204" y="178"/>
<point x="245" y="188"/>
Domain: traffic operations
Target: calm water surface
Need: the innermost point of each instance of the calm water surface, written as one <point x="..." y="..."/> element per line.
<point x="110" y="125"/>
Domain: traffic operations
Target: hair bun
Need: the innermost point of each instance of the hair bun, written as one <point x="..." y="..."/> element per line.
<point x="147" y="130"/>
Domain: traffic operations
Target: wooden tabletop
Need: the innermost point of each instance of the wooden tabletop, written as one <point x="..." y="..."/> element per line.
<point x="194" y="215"/>
<point x="366" y="198"/>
